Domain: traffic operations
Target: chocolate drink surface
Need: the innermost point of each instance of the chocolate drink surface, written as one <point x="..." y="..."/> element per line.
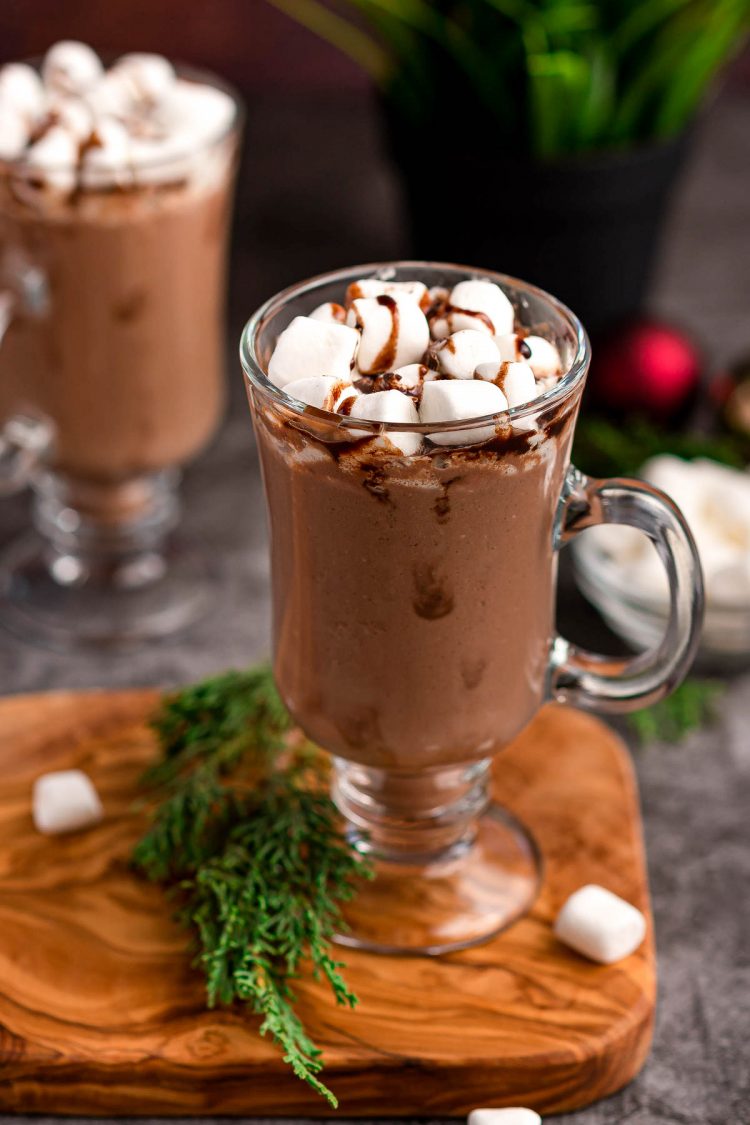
<point x="413" y="598"/>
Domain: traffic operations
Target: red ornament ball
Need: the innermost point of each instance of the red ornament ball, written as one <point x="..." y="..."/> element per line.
<point x="646" y="367"/>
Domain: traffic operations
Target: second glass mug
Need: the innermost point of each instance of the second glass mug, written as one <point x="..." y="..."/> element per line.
<point x="111" y="377"/>
<point x="413" y="617"/>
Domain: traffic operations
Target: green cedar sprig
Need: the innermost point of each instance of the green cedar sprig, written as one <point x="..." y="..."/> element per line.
<point x="694" y="704"/>
<point x="245" y="834"/>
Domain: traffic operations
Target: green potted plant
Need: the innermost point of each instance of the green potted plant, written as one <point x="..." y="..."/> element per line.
<point x="538" y="137"/>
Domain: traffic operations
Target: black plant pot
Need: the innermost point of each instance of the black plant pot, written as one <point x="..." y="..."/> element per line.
<point x="586" y="229"/>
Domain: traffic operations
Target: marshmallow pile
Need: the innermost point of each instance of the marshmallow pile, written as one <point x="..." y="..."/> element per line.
<point x="398" y="352"/>
<point x="715" y="501"/>
<point x="77" y="126"/>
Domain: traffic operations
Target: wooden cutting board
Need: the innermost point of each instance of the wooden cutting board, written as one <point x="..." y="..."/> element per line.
<point x="100" y="1012"/>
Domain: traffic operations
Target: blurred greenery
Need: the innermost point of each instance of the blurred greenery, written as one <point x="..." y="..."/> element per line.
<point x="547" y="77"/>
<point x="606" y="448"/>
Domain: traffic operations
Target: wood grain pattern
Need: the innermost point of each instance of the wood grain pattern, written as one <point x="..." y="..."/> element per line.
<point x="101" y="1014"/>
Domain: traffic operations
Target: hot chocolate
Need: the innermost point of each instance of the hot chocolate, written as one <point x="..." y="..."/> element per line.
<point x="115" y="188"/>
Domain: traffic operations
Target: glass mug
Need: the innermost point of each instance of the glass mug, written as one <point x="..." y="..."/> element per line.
<point x="111" y="377"/>
<point x="413" y="617"/>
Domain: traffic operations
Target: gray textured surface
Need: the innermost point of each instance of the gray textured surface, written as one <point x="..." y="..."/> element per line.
<point x="695" y="797"/>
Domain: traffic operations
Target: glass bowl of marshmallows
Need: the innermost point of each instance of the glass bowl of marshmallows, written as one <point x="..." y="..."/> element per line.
<point x="619" y="572"/>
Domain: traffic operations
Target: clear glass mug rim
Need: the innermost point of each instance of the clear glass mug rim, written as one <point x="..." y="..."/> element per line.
<point x="561" y="391"/>
<point x="20" y="167"/>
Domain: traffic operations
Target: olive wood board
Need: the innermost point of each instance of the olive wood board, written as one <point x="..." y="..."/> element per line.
<point x="101" y="1013"/>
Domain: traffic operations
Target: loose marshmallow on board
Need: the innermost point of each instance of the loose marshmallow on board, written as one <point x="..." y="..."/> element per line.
<point x="73" y="114"/>
<point x="64" y="801"/>
<point x="464" y="351"/>
<point x="600" y="925"/>
<point x="480" y="305"/>
<point x="373" y="287"/>
<point x="513" y="1115"/>
<point x="449" y="400"/>
<point x="322" y="391"/>
<point x="54" y="159"/>
<point x="394" y="332"/>
<point x="21" y="88"/>
<point x="329" y="313"/>
<point x="390" y="406"/>
<point x="70" y="67"/>
<point x="309" y="347"/>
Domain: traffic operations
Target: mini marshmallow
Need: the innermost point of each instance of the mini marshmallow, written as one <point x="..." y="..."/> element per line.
<point x="114" y="94"/>
<point x="447" y="400"/>
<point x="64" y="801"/>
<point x="14" y="134"/>
<point x="544" y="358"/>
<point x="508" y="346"/>
<point x="54" y="158"/>
<point x="105" y="164"/>
<point x="516" y="381"/>
<point x="22" y="88"/>
<point x="72" y="114"/>
<point x="195" y="114"/>
<point x="394" y="332"/>
<point x="329" y="313"/>
<point x="307" y="347"/>
<point x="390" y="406"/>
<point x="485" y="297"/>
<point x="71" y="67"/>
<point x="409" y="379"/>
<point x="372" y="287"/>
<point x="513" y="1115"/>
<point x="152" y="76"/>
<point x="322" y="391"/>
<point x="600" y="925"/>
<point x="464" y="351"/>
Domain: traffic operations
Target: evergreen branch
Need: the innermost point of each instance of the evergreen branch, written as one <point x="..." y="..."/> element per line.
<point x="692" y="705"/>
<point x="244" y="832"/>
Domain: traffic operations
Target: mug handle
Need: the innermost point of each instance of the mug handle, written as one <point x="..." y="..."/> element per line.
<point x="618" y="684"/>
<point x="26" y="438"/>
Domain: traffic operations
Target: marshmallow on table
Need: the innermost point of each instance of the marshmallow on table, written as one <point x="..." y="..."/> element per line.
<point x="22" y="88"/>
<point x="322" y="391"/>
<point x="394" y="332"/>
<point x="329" y="313"/>
<point x="309" y="347"/>
<point x="64" y="801"/>
<point x="464" y="351"/>
<point x="373" y="287"/>
<point x="447" y="400"/>
<point x="54" y="159"/>
<point x="389" y="406"/>
<point x="513" y="1115"/>
<point x="71" y="67"/>
<point x="600" y="925"/>
<point x="543" y="357"/>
